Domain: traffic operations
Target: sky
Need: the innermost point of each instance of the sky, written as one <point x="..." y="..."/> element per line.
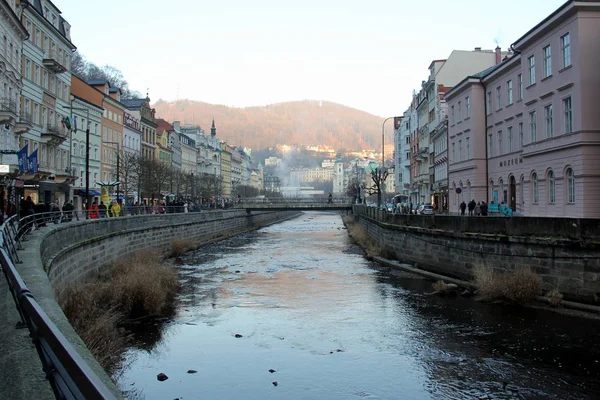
<point x="367" y="54"/>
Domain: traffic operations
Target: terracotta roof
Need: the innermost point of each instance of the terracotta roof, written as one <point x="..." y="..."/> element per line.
<point x="163" y="126"/>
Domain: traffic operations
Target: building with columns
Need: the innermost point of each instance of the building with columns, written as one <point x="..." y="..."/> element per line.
<point x="530" y="139"/>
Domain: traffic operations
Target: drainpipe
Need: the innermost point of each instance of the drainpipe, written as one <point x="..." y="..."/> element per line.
<point x="487" y="175"/>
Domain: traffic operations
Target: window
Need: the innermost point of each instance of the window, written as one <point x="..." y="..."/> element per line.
<point x="551" y="187"/>
<point x="533" y="126"/>
<point x="459" y="111"/>
<point x="547" y="61"/>
<point x="36" y="78"/>
<point x="28" y="26"/>
<point x="520" y="135"/>
<point x="549" y="121"/>
<point x="28" y="68"/>
<point x="509" y="97"/>
<point x="520" y="83"/>
<point x="36" y="113"/>
<point x="45" y="80"/>
<point x="489" y="102"/>
<point x="453" y="152"/>
<point x="510" y="139"/>
<point x="468" y="148"/>
<point x="491" y="145"/>
<point x="468" y="107"/>
<point x="452" y="116"/>
<point x="570" y="186"/>
<point x="565" y="47"/>
<point x="568" y="115"/>
<point x="27" y="105"/>
<point x="499" y="97"/>
<point x="531" y="64"/>
<point x="500" y="148"/>
<point x="536" y="188"/>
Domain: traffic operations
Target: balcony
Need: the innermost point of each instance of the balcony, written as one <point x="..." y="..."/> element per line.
<point x="54" y="61"/>
<point x="8" y="111"/>
<point x="423" y="153"/>
<point x="24" y="124"/>
<point x="54" y="134"/>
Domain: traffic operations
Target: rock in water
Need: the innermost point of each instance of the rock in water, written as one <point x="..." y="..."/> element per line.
<point x="237" y="335"/>
<point x="272" y="370"/>
<point x="192" y="371"/>
<point x="275" y="383"/>
<point x="162" y="377"/>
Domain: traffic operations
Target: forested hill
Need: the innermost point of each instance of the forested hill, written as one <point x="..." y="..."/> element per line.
<point x="297" y="122"/>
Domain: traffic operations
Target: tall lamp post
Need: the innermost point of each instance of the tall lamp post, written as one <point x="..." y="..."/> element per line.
<point x="87" y="155"/>
<point x="118" y="175"/>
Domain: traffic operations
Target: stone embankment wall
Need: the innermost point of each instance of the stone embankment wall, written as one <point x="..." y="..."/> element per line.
<point x="75" y="251"/>
<point x="564" y="252"/>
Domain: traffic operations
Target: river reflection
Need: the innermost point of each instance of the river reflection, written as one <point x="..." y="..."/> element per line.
<point x="332" y="326"/>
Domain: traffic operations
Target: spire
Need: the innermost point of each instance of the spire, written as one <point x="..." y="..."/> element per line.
<point x="213" y="130"/>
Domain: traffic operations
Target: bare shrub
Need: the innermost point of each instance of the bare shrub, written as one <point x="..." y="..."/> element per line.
<point x="181" y="246"/>
<point x="440" y="286"/>
<point x="521" y="286"/>
<point x="555" y="298"/>
<point x="137" y="287"/>
<point x="488" y="283"/>
<point x="142" y="285"/>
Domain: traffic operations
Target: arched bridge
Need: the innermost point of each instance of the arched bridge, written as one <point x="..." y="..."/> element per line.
<point x="295" y="203"/>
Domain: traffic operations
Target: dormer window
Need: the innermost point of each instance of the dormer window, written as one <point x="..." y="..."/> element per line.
<point x="106" y="90"/>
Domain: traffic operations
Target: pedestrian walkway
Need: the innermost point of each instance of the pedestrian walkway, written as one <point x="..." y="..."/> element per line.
<point x="20" y="365"/>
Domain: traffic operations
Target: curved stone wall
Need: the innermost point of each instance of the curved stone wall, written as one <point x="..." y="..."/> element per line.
<point x="77" y="250"/>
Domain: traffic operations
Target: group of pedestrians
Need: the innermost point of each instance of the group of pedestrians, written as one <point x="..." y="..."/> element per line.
<point x="474" y="208"/>
<point x="101" y="211"/>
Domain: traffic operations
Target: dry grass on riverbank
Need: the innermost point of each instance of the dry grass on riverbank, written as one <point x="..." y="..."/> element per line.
<point x="180" y="246"/>
<point x="361" y="237"/>
<point x="138" y="287"/>
<point x="520" y="286"/>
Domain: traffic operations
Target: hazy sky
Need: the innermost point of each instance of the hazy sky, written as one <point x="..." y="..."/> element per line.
<point x="367" y="54"/>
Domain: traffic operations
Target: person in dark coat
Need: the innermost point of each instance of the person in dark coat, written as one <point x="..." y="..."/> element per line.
<point x="463" y="207"/>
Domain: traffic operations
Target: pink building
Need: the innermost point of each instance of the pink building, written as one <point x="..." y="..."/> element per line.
<point x="531" y="135"/>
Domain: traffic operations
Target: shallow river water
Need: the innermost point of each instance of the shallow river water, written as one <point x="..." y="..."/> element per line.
<point x="332" y="326"/>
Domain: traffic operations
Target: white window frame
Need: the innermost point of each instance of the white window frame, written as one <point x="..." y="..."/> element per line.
<point x="510" y="139"/>
<point x="547" y="52"/>
<point x="549" y="117"/>
<point x="551" y="187"/>
<point x="533" y="126"/>
<point x="568" y="114"/>
<point x="531" y="69"/>
<point x="570" y="186"/>
<point x="509" y="92"/>
<point x="535" y="185"/>
<point x="565" y="47"/>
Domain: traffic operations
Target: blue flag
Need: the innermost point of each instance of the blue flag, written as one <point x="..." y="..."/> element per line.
<point x="22" y="157"/>
<point x="32" y="162"/>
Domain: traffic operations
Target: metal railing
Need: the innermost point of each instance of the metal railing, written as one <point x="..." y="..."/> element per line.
<point x="69" y="375"/>
<point x="294" y="200"/>
<point x="7" y="104"/>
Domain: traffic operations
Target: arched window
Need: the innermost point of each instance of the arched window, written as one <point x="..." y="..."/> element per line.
<point x="551" y="187"/>
<point x="570" y="186"/>
<point x="536" y="188"/>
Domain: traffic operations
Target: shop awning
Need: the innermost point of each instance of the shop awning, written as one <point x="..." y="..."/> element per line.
<point x="81" y="192"/>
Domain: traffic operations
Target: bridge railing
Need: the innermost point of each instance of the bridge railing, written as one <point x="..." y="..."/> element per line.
<point x="293" y="200"/>
<point x="69" y="375"/>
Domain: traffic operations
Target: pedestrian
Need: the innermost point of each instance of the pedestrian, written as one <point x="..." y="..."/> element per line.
<point x="463" y="207"/>
<point x="330" y="198"/>
<point x="471" y="207"/>
<point x="116" y="209"/>
<point x="94" y="211"/>
<point x="102" y="209"/>
<point x="478" y="208"/>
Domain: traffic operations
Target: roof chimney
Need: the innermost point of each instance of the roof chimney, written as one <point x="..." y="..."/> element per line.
<point x="477" y="48"/>
<point x="498" y="55"/>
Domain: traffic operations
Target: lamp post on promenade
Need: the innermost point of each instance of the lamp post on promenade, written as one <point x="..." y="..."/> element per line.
<point x="381" y="173"/>
<point x="87" y="155"/>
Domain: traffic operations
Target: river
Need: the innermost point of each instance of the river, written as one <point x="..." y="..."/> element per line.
<point x="331" y="325"/>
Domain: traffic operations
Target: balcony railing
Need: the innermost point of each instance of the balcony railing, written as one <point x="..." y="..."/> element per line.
<point x="24" y="124"/>
<point x="8" y="111"/>
<point x="54" y="61"/>
<point x="56" y="134"/>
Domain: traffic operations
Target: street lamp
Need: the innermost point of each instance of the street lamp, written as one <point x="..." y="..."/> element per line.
<point x="87" y="155"/>
<point x="118" y="182"/>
